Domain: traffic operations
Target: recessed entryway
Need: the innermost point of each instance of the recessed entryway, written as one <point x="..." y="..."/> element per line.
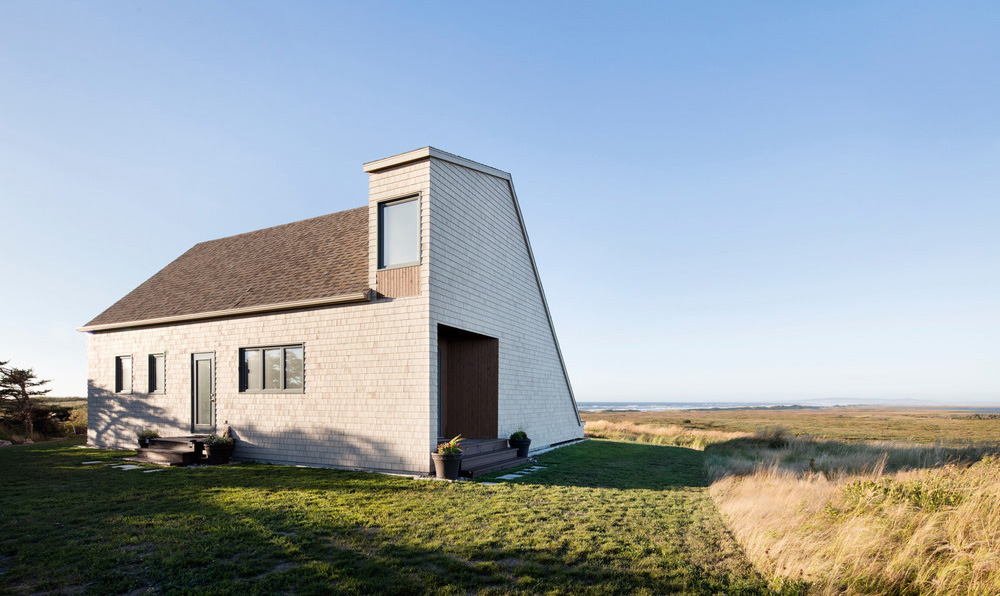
<point x="469" y="383"/>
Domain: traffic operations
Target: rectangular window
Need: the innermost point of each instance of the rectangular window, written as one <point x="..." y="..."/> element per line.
<point x="399" y="233"/>
<point x="156" y="372"/>
<point x="123" y="374"/>
<point x="272" y="369"/>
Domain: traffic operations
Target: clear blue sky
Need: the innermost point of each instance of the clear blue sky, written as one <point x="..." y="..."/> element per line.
<point x="727" y="200"/>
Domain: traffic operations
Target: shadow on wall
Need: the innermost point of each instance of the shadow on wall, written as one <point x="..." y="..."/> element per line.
<point x="113" y="419"/>
<point x="325" y="447"/>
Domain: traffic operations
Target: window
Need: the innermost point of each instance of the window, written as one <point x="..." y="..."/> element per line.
<point x="123" y="374"/>
<point x="277" y="369"/>
<point x="156" y="372"/>
<point x="399" y="233"/>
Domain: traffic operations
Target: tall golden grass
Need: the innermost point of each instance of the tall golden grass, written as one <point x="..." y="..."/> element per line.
<point x="852" y="518"/>
<point x="676" y="436"/>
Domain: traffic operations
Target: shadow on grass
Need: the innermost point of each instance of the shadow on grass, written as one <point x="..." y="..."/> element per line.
<point x="253" y="528"/>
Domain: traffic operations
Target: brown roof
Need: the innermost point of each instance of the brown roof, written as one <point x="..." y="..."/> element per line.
<point x="314" y="258"/>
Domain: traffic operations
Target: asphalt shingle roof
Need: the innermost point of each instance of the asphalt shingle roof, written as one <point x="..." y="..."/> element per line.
<point x="321" y="257"/>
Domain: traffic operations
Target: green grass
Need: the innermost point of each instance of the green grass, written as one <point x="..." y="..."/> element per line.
<point x="603" y="518"/>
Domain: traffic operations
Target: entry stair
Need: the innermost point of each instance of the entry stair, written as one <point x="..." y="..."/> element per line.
<point x="483" y="456"/>
<point x="172" y="451"/>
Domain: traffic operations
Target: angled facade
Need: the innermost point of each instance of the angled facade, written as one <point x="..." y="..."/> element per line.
<point x="356" y="339"/>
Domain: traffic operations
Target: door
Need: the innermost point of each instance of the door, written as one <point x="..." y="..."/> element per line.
<point x="203" y="393"/>
<point x="468" y="382"/>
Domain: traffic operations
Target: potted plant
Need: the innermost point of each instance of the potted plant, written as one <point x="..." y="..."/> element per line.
<point x="520" y="439"/>
<point x="218" y="449"/>
<point x="145" y="435"/>
<point x="448" y="459"/>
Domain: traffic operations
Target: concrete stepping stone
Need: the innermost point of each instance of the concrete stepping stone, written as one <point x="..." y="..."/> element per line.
<point x="488" y="483"/>
<point x="509" y="477"/>
<point x="129" y="467"/>
<point x="151" y="471"/>
<point x="88" y="463"/>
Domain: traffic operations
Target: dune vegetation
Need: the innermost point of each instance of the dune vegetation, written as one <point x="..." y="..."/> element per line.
<point x="849" y="516"/>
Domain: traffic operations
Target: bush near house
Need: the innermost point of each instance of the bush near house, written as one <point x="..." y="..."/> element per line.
<point x="51" y="417"/>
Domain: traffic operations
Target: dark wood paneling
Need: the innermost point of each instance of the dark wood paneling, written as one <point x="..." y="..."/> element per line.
<point x="470" y="366"/>
<point x="396" y="283"/>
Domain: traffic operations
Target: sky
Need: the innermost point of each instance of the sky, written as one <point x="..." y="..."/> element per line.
<point x="726" y="200"/>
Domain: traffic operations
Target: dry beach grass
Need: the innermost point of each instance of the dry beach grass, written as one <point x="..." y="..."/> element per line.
<point x="848" y="516"/>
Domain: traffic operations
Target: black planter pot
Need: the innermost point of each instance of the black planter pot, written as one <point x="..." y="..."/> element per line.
<point x="447" y="465"/>
<point x="143" y="442"/>
<point x="522" y="446"/>
<point x="218" y="455"/>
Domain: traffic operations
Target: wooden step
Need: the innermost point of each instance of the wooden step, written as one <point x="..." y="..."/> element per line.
<point x="173" y="451"/>
<point x="185" y="443"/>
<point x="483" y="468"/>
<point x="488" y="457"/>
<point x="170" y="457"/>
<point x="475" y="447"/>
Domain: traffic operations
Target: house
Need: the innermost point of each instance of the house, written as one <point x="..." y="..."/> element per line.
<point x="357" y="339"/>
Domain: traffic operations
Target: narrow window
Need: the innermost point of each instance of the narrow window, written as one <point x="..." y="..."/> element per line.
<point x="123" y="374"/>
<point x="399" y="233"/>
<point x="293" y="368"/>
<point x="272" y="369"/>
<point x="251" y="373"/>
<point x="156" y="373"/>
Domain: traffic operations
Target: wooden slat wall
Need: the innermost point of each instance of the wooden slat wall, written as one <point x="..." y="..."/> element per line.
<point x="396" y="283"/>
<point x="470" y="367"/>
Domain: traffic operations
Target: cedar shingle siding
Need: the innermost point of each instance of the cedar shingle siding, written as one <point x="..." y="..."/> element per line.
<point x="314" y="258"/>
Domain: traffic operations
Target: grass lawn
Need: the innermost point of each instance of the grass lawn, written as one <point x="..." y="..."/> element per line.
<point x="920" y="425"/>
<point x="603" y="518"/>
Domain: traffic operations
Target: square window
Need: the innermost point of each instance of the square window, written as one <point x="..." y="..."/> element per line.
<point x="399" y="233"/>
<point x="123" y="374"/>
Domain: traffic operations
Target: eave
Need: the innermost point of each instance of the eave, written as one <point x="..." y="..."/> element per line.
<point x="231" y="312"/>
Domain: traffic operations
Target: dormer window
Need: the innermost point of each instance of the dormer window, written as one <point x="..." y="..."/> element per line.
<point x="399" y="233"/>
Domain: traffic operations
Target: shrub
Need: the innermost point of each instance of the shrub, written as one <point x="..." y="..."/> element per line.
<point x="773" y="437"/>
<point x="219" y="441"/>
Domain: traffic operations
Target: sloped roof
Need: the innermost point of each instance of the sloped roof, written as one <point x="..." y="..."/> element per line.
<point x="316" y="258"/>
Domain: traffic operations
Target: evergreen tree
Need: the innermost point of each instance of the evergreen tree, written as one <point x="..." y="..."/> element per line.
<point x="21" y="385"/>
